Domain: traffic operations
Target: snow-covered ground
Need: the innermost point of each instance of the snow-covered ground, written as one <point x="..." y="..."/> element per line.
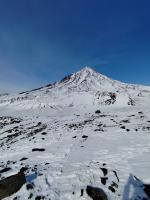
<point x="56" y="132"/>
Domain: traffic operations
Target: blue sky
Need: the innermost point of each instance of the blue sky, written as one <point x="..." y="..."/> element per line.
<point x="41" y="41"/>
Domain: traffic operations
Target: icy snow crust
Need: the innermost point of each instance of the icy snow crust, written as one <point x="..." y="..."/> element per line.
<point x="77" y="142"/>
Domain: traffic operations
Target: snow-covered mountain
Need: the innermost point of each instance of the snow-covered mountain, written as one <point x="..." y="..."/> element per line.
<point x="83" y="87"/>
<point x="77" y="136"/>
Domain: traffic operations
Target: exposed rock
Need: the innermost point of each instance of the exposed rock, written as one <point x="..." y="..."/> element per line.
<point x="30" y="196"/>
<point x="82" y="191"/>
<point x="103" y="180"/>
<point x="12" y="184"/>
<point x="131" y="102"/>
<point x="24" y="158"/>
<point x="29" y="186"/>
<point x="5" y="170"/>
<point x="125" y="121"/>
<point x="111" y="189"/>
<point x="105" y="171"/>
<point x="99" y="129"/>
<point x="116" y="175"/>
<point x="74" y="136"/>
<point x="96" y="193"/>
<point x="84" y="136"/>
<point x="38" y="149"/>
<point x="97" y="112"/>
<point x="147" y="189"/>
<point x="123" y="127"/>
<point x="44" y="133"/>
<point x="39" y="197"/>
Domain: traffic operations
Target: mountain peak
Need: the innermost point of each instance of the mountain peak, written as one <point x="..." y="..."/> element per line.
<point x="87" y="69"/>
<point x="86" y="79"/>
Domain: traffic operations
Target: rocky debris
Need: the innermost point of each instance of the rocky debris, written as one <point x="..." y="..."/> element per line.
<point x="140" y="112"/>
<point x="111" y="189"/>
<point x="99" y="129"/>
<point x="103" y="180"/>
<point x="104" y="115"/>
<point x="112" y="99"/>
<point x="44" y="133"/>
<point x="30" y="196"/>
<point x="107" y="182"/>
<point x="97" y="112"/>
<point x="9" y="139"/>
<point x="79" y="125"/>
<point x="24" y="158"/>
<point x="82" y="192"/>
<point x="115" y="173"/>
<point x="6" y="169"/>
<point x="38" y="149"/>
<point x="96" y="193"/>
<point x="66" y="78"/>
<point x="131" y="102"/>
<point x="11" y="162"/>
<point x="39" y="197"/>
<point x="104" y="170"/>
<point x="7" y="120"/>
<point x="131" y="115"/>
<point x="12" y="184"/>
<point x="36" y="129"/>
<point x="100" y="124"/>
<point x="108" y="179"/>
<point x="29" y="186"/>
<point x="123" y="127"/>
<point x="47" y="163"/>
<point x="84" y="136"/>
<point x="21" y="132"/>
<point x="146" y="128"/>
<point x="114" y="184"/>
<point x="125" y="121"/>
<point x="106" y="98"/>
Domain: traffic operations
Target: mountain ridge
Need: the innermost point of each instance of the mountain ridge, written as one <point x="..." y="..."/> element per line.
<point x="85" y="73"/>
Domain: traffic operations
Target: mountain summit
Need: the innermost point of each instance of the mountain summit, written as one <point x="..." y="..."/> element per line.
<point x="87" y="79"/>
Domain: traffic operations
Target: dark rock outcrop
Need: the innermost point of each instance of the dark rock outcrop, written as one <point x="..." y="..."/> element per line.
<point x="38" y="149"/>
<point x="5" y="170"/>
<point x="96" y="193"/>
<point x="12" y="184"/>
<point x="97" y="112"/>
<point x="147" y="189"/>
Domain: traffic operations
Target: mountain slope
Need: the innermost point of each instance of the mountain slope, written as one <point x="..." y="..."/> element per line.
<point x="83" y="87"/>
<point x="86" y="130"/>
